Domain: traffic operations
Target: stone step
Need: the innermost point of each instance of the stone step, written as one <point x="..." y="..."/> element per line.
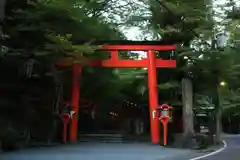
<point x="104" y="138"/>
<point x="103" y="135"/>
<point x="112" y="138"/>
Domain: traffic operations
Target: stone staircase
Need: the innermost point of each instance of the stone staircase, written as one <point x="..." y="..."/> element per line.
<point x="102" y="138"/>
<point x="112" y="137"/>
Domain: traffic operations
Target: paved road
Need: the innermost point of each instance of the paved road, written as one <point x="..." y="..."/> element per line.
<point x="99" y="151"/>
<point x="232" y="151"/>
<point x="122" y="152"/>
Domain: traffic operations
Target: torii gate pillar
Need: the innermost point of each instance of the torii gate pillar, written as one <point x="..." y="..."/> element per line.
<point x="76" y="72"/>
<point x="153" y="96"/>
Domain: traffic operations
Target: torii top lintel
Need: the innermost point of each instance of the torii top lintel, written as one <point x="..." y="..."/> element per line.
<point x="114" y="61"/>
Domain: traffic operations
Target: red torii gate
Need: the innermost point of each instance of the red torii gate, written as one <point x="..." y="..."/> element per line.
<point x="151" y="62"/>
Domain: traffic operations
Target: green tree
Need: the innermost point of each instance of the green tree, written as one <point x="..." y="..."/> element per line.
<point x="48" y="31"/>
<point x="187" y="19"/>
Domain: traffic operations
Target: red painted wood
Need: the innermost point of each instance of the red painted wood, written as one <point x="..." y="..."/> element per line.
<point x="139" y="47"/>
<point x="114" y="55"/>
<point x="64" y="133"/>
<point x="75" y="101"/>
<point x="65" y="119"/>
<point x="160" y="63"/>
<point x="132" y="63"/>
<point x="153" y="96"/>
<point x="164" y="132"/>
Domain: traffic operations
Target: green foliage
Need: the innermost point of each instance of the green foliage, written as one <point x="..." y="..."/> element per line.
<point x="202" y="63"/>
<point x="47" y="31"/>
<point x="185" y="18"/>
<point x="169" y="85"/>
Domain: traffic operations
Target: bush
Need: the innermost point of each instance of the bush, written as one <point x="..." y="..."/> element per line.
<point x="203" y="140"/>
<point x="13" y="139"/>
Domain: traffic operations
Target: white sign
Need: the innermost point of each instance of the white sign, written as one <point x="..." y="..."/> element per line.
<point x="72" y="113"/>
<point x="154" y="112"/>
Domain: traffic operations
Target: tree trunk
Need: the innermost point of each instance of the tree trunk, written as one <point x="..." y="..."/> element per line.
<point x="218" y="114"/>
<point x="57" y="101"/>
<point x="2" y="8"/>
<point x="2" y="13"/>
<point x="187" y="101"/>
<point x="218" y="125"/>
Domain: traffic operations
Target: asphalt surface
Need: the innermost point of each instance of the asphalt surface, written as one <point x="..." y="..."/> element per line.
<point x="232" y="151"/>
<point x="98" y="151"/>
<point x="93" y="151"/>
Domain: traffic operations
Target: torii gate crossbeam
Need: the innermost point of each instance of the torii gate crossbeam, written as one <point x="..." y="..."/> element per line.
<point x="150" y="62"/>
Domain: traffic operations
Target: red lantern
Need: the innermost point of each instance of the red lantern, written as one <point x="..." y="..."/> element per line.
<point x="165" y="116"/>
<point x="165" y="111"/>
